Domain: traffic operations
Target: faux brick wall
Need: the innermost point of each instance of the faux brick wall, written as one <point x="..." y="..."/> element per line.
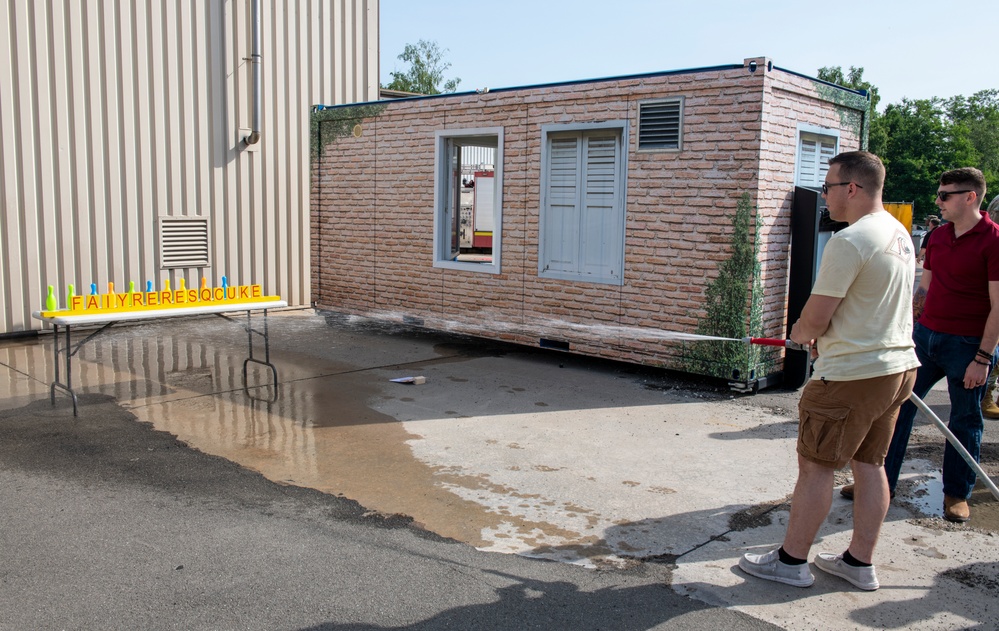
<point x="373" y="207"/>
<point x="791" y="100"/>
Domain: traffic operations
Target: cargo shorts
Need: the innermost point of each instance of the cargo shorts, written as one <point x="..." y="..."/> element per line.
<point x="840" y="421"/>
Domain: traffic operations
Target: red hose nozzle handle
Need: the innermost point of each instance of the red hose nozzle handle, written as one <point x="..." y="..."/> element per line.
<point x="770" y="341"/>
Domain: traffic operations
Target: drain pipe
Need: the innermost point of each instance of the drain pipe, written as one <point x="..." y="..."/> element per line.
<point x="254" y="135"/>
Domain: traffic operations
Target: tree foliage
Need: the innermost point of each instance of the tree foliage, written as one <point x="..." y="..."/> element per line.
<point x="926" y="137"/>
<point x="976" y="120"/>
<point x="737" y="286"/>
<point x="852" y="79"/>
<point x="855" y="79"/>
<point x="918" y="139"/>
<point x="425" y="74"/>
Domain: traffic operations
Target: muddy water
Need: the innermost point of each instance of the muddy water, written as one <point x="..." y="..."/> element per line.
<point x="321" y="430"/>
<point x="329" y="441"/>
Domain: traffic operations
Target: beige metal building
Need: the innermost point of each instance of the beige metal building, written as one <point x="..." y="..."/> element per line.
<point x="155" y="140"/>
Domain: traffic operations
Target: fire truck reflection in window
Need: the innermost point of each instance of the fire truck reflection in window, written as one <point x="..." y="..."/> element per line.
<point x="468" y="199"/>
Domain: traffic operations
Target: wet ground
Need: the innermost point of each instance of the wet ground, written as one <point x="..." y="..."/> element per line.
<point x="527" y="451"/>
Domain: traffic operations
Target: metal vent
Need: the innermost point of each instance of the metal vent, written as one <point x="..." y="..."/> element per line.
<point x="183" y="242"/>
<point x="659" y="124"/>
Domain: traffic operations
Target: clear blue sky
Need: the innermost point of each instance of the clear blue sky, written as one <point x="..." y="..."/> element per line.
<point x="914" y="49"/>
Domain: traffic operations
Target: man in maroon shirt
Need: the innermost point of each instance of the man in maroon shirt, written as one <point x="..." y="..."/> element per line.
<point x="956" y="310"/>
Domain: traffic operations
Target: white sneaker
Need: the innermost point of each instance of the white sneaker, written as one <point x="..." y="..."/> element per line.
<point x="862" y="577"/>
<point x="768" y="566"/>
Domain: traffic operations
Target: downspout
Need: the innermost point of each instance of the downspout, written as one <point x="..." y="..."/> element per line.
<point x="254" y="135"/>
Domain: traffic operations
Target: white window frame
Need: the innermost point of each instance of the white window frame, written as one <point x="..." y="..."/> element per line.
<point x="441" y="185"/>
<point x="819" y="133"/>
<point x="622" y="127"/>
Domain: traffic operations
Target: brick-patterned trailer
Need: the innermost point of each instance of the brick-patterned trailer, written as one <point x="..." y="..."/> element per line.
<point x="622" y="214"/>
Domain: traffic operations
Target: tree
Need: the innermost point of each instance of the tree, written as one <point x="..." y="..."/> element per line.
<point x="915" y="152"/>
<point x="925" y="138"/>
<point x="737" y="287"/>
<point x="854" y="79"/>
<point x="975" y="121"/>
<point x="426" y="70"/>
<point x="918" y="139"/>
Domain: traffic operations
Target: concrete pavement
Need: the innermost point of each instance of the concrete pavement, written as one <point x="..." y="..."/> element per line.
<point x="650" y="479"/>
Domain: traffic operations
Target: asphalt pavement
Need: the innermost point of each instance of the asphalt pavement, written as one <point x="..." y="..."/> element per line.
<point x="516" y="488"/>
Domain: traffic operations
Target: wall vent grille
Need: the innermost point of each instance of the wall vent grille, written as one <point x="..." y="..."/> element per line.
<point x="183" y="242"/>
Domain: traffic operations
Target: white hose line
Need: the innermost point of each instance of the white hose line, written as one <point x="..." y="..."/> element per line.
<point x="956" y="444"/>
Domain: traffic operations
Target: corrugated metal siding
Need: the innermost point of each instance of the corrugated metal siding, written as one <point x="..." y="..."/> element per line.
<point x="114" y="114"/>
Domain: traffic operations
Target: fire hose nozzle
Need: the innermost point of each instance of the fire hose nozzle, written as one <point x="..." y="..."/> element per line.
<point x="767" y="341"/>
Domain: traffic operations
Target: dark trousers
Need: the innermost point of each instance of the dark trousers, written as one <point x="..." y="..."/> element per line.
<point x="943" y="355"/>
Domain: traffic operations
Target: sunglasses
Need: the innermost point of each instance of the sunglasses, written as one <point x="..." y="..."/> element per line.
<point x="826" y="187"/>
<point x="944" y="195"/>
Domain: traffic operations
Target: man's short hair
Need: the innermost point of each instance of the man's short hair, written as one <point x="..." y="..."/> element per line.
<point x="862" y="167"/>
<point x="968" y="177"/>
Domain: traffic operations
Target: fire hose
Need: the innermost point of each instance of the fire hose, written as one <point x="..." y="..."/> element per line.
<point x="920" y="405"/>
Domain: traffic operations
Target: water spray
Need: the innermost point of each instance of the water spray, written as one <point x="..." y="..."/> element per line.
<point x="756" y="341"/>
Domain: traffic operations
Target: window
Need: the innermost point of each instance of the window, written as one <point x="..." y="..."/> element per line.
<point x="582" y="202"/>
<point x="814" y="151"/>
<point x="660" y="125"/>
<point x="468" y="193"/>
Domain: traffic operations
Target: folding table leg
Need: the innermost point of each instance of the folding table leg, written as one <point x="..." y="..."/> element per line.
<point x="266" y="361"/>
<point x="56" y="383"/>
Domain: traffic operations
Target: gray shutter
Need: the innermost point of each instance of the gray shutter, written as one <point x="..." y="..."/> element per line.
<point x="562" y="212"/>
<point x="600" y="221"/>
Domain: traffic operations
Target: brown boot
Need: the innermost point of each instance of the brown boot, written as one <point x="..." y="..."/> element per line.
<point x="989" y="407"/>
<point x="956" y="510"/>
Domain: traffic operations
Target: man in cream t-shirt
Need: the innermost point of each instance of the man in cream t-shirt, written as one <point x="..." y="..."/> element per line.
<point x="858" y="320"/>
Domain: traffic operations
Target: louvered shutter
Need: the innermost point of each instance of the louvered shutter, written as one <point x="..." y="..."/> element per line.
<point x="827" y="149"/>
<point x="808" y="173"/>
<point x="583" y="216"/>
<point x="814" y="152"/>
<point x="599" y="225"/>
<point x="562" y="212"/>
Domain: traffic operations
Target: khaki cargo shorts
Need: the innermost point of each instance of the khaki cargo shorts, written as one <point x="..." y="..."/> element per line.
<point x="840" y="421"/>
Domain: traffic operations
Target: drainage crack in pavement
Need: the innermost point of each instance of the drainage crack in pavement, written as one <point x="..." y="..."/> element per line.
<point x="755" y="521"/>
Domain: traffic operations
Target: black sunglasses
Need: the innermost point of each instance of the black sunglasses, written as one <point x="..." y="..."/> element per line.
<point x="944" y="195"/>
<point x="826" y="187"/>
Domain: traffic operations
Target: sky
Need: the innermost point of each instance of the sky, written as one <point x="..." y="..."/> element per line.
<point x="914" y="49"/>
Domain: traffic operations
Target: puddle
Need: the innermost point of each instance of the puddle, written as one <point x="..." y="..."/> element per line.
<point x="923" y="487"/>
<point x="923" y="492"/>
<point x="321" y="432"/>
